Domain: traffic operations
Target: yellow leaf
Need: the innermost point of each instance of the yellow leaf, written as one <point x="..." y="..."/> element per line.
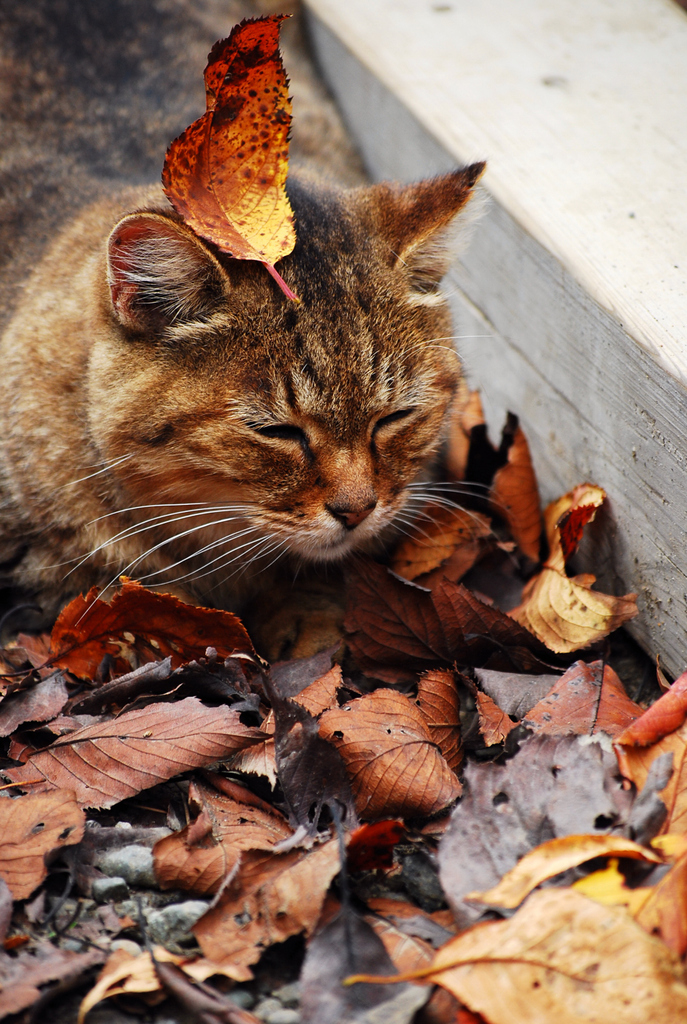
<point x="608" y="887"/>
<point x="551" y="859"/>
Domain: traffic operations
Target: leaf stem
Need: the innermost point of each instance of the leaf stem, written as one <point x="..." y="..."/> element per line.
<point x="281" y="282"/>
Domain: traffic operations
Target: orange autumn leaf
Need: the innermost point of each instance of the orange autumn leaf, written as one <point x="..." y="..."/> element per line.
<point x="441" y="533"/>
<point x="494" y="724"/>
<point x="390" y="756"/>
<point x="584" y="701"/>
<point x="32" y="827"/>
<point x="139" y="625"/>
<point x="663" y="717"/>
<point x="437" y="699"/>
<point x="272" y="897"/>
<point x="202" y="855"/>
<point x="561" y="957"/>
<point x="564" y="612"/>
<point x="371" y="846"/>
<point x="225" y="174"/>
<point x="116" y="758"/>
<point x="515" y="495"/>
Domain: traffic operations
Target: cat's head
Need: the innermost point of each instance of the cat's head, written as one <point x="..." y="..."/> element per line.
<point x="313" y="417"/>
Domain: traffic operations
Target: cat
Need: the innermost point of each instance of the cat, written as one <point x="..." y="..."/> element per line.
<point x="166" y="413"/>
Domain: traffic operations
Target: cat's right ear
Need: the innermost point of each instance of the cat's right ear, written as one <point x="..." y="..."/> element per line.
<point x="159" y="273"/>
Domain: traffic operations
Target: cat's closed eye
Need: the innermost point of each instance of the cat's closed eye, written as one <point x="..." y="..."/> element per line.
<point x="283" y="432"/>
<point x="393" y="417"/>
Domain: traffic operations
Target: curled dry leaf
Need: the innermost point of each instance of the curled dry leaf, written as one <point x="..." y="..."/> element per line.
<point x="226" y="173"/>
<point x="437" y="699"/>
<point x="663" y="717"/>
<point x="552" y="859"/>
<point x="514" y="495"/>
<point x="392" y="761"/>
<point x="563" y="612"/>
<point x="494" y="724"/>
<point x="117" y="758"/>
<point x="581" y="702"/>
<point x="321" y="695"/>
<point x="272" y="897"/>
<point x="202" y="855"/>
<point x="563" y="957"/>
<point x="31" y="827"/>
<point x="152" y="625"/>
<point x="36" y="703"/>
<point x="566" y="614"/>
<point x="566" y="518"/>
<point x="441" y="533"/>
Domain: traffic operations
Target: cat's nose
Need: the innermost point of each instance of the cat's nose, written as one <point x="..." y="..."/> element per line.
<point x="351" y="517"/>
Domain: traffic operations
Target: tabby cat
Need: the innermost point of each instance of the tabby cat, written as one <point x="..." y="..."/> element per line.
<point x="166" y="413"/>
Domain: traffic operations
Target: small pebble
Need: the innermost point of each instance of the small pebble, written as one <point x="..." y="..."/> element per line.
<point x="289" y="995"/>
<point x="173" y="922"/>
<point x="105" y="890"/>
<point x="128" y="945"/>
<point x="283" y="1016"/>
<point x="73" y="945"/>
<point x="242" y="998"/>
<point x="267" y="1006"/>
<point x="132" y="863"/>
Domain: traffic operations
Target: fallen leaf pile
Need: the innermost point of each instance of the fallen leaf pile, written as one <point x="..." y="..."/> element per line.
<point x="467" y="758"/>
<point x="447" y="817"/>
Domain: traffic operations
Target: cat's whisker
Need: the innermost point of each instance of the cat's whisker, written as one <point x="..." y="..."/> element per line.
<point x="226" y="539"/>
<point x="167" y="519"/>
<point x="104" y="469"/>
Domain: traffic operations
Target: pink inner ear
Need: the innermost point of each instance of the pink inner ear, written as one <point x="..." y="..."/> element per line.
<point x="122" y="290"/>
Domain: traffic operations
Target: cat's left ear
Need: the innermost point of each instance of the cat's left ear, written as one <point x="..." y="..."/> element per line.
<point x="160" y="273"/>
<point x="426" y="224"/>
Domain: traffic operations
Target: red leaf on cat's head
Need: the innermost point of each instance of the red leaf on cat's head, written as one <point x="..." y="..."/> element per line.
<point x="225" y="174"/>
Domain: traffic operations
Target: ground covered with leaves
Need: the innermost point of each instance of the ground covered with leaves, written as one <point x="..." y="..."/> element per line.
<point x="456" y="814"/>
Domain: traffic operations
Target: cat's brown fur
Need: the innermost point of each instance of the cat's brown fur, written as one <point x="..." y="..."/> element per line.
<point x="166" y="412"/>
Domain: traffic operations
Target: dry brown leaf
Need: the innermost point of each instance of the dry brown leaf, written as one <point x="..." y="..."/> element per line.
<point x="407" y="951"/>
<point x="581" y="702"/>
<point x="271" y="898"/>
<point x="437" y="699"/>
<point x="321" y="695"/>
<point x="202" y="855"/>
<point x="115" y="759"/>
<point x="226" y="173"/>
<point x="393" y="763"/>
<point x="137" y="626"/>
<point x="563" y="958"/>
<point x="31" y="827"/>
<point x="397" y="629"/>
<point x="494" y="724"/>
<point x="554" y="857"/>
<point x="515" y="495"/>
<point x="635" y="763"/>
<point x="441" y="533"/>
